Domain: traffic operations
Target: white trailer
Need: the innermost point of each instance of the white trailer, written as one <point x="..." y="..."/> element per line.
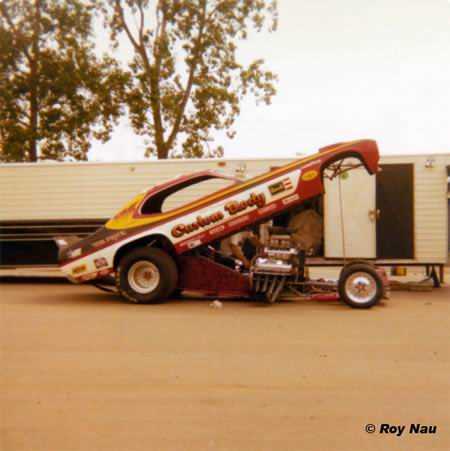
<point x="42" y="200"/>
<point x="398" y="217"/>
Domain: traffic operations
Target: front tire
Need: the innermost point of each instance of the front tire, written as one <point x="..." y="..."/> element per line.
<point x="146" y="276"/>
<point x="360" y="286"/>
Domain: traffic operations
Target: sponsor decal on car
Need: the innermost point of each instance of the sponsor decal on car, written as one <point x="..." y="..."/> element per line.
<point x="100" y="262"/>
<point x="310" y="175"/>
<point x="255" y="199"/>
<point x="79" y="269"/>
<point x="202" y="221"/>
<point x="276" y="188"/>
<point x="232" y="208"/>
<point x="287" y="183"/>
<point x="281" y="186"/>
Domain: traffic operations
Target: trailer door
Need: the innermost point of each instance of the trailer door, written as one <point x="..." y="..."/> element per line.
<point x="356" y="232"/>
<point x="395" y="201"/>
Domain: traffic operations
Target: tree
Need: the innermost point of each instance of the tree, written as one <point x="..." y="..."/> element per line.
<point x="55" y="93"/>
<point x="187" y="81"/>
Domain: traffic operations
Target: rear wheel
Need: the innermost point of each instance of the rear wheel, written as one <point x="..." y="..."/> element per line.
<point x="356" y="262"/>
<point x="146" y="276"/>
<point x="360" y="286"/>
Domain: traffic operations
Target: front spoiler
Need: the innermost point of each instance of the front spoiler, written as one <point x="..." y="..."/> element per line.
<point x="87" y="276"/>
<point x="82" y="268"/>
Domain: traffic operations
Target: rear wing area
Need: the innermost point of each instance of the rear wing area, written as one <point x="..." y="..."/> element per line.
<point x="366" y="151"/>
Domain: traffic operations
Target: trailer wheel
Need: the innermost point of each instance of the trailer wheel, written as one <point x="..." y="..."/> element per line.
<point x="360" y="286"/>
<point x="146" y="276"/>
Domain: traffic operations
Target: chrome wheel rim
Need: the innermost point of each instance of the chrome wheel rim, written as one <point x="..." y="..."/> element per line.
<point x="361" y="287"/>
<point x="143" y="277"/>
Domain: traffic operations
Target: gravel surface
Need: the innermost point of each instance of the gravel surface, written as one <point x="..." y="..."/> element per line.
<point x="81" y="370"/>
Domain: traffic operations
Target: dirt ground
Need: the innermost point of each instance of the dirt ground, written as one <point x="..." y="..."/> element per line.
<point x="80" y="370"/>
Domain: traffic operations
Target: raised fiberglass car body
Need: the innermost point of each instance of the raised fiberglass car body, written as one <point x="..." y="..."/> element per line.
<point x="141" y="222"/>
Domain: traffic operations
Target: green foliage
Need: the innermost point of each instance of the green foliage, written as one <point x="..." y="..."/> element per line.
<point x="55" y="93"/>
<point x="187" y="80"/>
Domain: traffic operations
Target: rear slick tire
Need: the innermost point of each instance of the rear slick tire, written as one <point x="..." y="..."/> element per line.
<point x="146" y="276"/>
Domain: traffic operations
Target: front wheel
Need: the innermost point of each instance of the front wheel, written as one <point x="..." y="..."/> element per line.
<point x="146" y="276"/>
<point x="360" y="286"/>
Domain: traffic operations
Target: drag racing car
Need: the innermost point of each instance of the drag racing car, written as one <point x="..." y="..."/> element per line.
<point x="154" y="254"/>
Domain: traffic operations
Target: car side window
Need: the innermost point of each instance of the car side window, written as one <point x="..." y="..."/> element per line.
<point x="177" y="195"/>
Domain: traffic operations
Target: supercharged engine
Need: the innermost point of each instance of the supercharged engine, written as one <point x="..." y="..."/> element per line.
<point x="276" y="263"/>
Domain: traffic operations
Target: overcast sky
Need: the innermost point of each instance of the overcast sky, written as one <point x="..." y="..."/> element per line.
<point x="347" y="69"/>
